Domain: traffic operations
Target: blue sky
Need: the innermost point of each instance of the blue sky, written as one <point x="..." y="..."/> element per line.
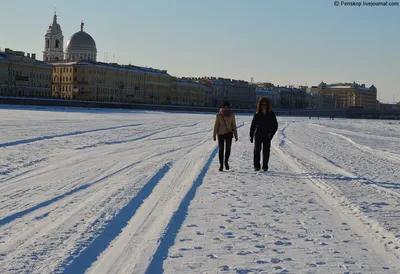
<point x="283" y="42"/>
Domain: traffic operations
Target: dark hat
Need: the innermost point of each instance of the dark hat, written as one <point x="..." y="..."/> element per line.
<point x="226" y="103"/>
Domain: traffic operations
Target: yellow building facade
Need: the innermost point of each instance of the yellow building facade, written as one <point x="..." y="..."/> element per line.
<point x="347" y="95"/>
<point x="187" y="93"/>
<point x="24" y="76"/>
<point x="90" y="80"/>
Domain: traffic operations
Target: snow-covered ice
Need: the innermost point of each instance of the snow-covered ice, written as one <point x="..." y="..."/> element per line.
<point x="118" y="191"/>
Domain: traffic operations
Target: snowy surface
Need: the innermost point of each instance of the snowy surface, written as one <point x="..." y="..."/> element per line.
<point x="117" y="191"/>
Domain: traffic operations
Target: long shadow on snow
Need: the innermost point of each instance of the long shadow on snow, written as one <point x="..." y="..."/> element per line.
<point x="49" y="137"/>
<point x="84" y="256"/>
<point x="168" y="239"/>
<point x="20" y="214"/>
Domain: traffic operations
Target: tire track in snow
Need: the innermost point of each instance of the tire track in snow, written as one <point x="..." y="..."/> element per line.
<point x="178" y="218"/>
<point x="63" y="228"/>
<point x="161" y="129"/>
<point x="348" y="174"/>
<point x="283" y="132"/>
<point x="85" y="256"/>
<point x="117" y="142"/>
<point x="49" y="137"/>
<point x="385" y="155"/>
<point x="166" y="193"/>
<point x="358" y="134"/>
<point x="51" y="231"/>
<point x="133" y="249"/>
<point x="26" y="240"/>
<point x="20" y="214"/>
<point x="363" y="224"/>
<point x="387" y="243"/>
<point x="76" y="160"/>
<point x="168" y="239"/>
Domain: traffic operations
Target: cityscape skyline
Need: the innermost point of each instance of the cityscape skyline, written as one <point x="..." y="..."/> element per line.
<point x="235" y="40"/>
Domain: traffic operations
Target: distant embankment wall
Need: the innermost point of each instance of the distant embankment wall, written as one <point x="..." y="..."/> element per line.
<point x="95" y="104"/>
<point x="350" y="113"/>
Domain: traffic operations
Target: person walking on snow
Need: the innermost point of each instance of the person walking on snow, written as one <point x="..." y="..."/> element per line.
<point x="262" y="130"/>
<point x="225" y="128"/>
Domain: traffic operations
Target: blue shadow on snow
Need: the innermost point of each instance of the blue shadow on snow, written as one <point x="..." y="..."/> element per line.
<point x="168" y="239"/>
<point x="86" y="255"/>
<point x="20" y="214"/>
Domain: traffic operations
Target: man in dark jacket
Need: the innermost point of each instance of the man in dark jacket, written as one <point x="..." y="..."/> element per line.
<point x="262" y="130"/>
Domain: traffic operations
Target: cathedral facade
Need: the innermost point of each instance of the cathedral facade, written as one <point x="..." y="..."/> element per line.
<point x="81" y="46"/>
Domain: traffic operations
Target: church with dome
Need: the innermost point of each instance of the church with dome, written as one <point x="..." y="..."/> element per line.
<point x="78" y="75"/>
<point x="81" y="46"/>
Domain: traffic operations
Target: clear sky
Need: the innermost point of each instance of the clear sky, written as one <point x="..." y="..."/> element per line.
<point x="293" y="41"/>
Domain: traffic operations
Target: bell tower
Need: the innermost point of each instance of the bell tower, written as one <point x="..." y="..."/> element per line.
<point x="54" y="42"/>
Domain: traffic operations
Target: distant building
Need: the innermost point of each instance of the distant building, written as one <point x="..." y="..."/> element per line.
<point x="90" y="80"/>
<point x="240" y="94"/>
<point x="81" y="46"/>
<point x="264" y="86"/>
<point x="80" y="76"/>
<point x="208" y="97"/>
<point x="187" y="92"/>
<point x="291" y="97"/>
<point x="313" y="89"/>
<point x="273" y="95"/>
<point x="350" y="94"/>
<point x="318" y="101"/>
<point x="24" y="76"/>
<point x="97" y="81"/>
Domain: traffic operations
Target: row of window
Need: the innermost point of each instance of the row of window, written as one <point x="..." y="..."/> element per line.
<point x="26" y="84"/>
<point x="64" y="79"/>
<point x="64" y="70"/>
<point x="63" y="88"/>
<point x="22" y="91"/>
<point x="124" y="74"/>
<point x="78" y="56"/>
<point x="31" y="74"/>
<point x="137" y="92"/>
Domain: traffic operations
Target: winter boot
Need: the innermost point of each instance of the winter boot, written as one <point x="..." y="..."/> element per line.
<point x="226" y="165"/>
<point x="221" y="160"/>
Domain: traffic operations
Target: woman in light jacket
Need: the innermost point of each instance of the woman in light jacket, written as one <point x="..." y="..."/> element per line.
<point x="225" y="128"/>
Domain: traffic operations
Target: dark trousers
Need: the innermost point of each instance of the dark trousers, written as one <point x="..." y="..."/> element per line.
<point x="265" y="143"/>
<point x="224" y="140"/>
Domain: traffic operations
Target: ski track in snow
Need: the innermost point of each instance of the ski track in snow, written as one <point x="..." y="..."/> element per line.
<point x="106" y="191"/>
